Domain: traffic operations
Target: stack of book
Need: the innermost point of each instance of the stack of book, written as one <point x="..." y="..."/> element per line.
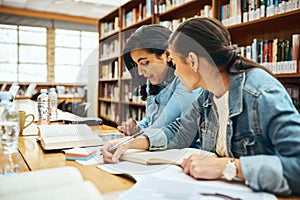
<point x="80" y="153"/>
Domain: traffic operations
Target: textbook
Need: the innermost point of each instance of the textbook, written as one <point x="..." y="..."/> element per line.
<point x="61" y="183"/>
<point x="64" y="136"/>
<point x="169" y="156"/>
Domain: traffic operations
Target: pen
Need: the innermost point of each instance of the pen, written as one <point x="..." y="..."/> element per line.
<point x="126" y="141"/>
<point x="223" y="196"/>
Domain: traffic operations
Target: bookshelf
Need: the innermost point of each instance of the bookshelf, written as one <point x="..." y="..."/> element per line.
<point x="116" y="98"/>
<point x="246" y="23"/>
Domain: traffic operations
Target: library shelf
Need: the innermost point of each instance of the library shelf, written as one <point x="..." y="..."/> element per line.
<point x="281" y="26"/>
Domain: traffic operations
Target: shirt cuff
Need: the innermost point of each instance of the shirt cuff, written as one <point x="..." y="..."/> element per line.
<point x="157" y="139"/>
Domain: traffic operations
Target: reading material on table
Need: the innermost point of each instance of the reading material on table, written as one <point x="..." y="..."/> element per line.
<point x="160" y="187"/>
<point x="169" y="156"/>
<point x="62" y="183"/>
<point x="80" y="153"/>
<point x="62" y="136"/>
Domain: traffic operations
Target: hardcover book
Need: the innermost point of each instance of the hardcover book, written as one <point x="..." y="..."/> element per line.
<point x="64" y="136"/>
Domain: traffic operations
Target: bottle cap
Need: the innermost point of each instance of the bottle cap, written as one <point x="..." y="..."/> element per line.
<point x="44" y="91"/>
<point x="5" y="96"/>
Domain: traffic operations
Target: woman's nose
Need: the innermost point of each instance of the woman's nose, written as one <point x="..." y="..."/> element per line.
<point x="141" y="71"/>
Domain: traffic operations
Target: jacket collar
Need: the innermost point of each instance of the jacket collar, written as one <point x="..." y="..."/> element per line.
<point x="236" y="86"/>
<point x="235" y="101"/>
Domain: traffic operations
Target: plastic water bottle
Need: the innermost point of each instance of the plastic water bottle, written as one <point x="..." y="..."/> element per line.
<point x="9" y="134"/>
<point x="43" y="108"/>
<point x="53" y="103"/>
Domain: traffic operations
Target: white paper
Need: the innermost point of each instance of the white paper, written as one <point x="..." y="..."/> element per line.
<point x="154" y="187"/>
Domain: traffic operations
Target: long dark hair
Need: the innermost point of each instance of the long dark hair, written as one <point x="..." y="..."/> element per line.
<point x="207" y="37"/>
<point x="153" y="39"/>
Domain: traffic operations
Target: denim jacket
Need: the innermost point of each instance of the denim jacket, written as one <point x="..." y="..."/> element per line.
<point x="163" y="108"/>
<point x="263" y="130"/>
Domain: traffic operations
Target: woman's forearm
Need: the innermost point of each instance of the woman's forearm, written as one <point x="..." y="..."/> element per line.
<point x="140" y="142"/>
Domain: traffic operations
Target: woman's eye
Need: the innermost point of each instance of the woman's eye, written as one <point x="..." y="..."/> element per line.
<point x="144" y="63"/>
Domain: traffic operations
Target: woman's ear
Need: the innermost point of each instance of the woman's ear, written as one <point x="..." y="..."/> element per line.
<point x="167" y="56"/>
<point x="193" y="59"/>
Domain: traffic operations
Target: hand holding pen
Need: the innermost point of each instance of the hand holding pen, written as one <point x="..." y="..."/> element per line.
<point x="113" y="149"/>
<point x="128" y="128"/>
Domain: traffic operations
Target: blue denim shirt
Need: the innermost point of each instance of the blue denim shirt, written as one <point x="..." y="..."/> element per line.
<point x="163" y="108"/>
<point x="263" y="130"/>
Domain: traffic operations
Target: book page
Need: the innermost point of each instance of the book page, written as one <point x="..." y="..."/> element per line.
<point x="62" y="130"/>
<point x="169" y="156"/>
<point x="80" y="152"/>
<point x="75" y="191"/>
<point x="133" y="170"/>
<point x="154" y="187"/>
<point x="68" y="136"/>
<point x="70" y="142"/>
<point x="37" y="180"/>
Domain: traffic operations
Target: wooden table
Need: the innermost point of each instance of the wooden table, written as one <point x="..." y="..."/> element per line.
<point x="34" y="158"/>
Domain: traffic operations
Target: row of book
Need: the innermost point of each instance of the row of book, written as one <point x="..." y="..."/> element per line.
<point x="238" y="11"/>
<point x="294" y="92"/>
<point x="281" y="56"/>
<point x="136" y="113"/>
<point x="110" y="91"/>
<point x="132" y="95"/>
<point x="110" y="110"/>
<point x="165" y="5"/>
<point x="110" y="49"/>
<point x="107" y="28"/>
<point x="138" y="14"/>
<point x="174" y="23"/>
<point x="110" y="70"/>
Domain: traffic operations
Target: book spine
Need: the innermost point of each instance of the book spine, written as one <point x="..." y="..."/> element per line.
<point x="254" y="49"/>
<point x="296" y="49"/>
<point x="266" y="51"/>
<point x="270" y="51"/>
<point x="245" y="10"/>
<point x="260" y="51"/>
<point x="248" y="52"/>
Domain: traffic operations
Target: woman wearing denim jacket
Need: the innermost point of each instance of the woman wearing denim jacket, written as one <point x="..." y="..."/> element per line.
<point x="147" y="59"/>
<point x="245" y="115"/>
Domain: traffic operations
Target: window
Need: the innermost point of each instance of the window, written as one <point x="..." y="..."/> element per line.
<point x="72" y="49"/>
<point x="8" y="53"/>
<point x="23" y="53"/>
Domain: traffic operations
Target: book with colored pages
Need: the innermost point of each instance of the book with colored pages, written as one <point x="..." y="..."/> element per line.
<point x="80" y="153"/>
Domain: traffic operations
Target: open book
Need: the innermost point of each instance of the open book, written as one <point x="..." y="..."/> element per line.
<point x="169" y="156"/>
<point x="51" y="184"/>
<point x="62" y="136"/>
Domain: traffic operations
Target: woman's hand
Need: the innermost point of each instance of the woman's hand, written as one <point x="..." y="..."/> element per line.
<point x="204" y="167"/>
<point x="113" y="157"/>
<point x="128" y="128"/>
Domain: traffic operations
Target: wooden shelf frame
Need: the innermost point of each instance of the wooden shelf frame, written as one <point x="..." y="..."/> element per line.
<point x="278" y="26"/>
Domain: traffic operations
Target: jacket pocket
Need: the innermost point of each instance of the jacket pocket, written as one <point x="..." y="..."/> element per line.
<point x="244" y="146"/>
